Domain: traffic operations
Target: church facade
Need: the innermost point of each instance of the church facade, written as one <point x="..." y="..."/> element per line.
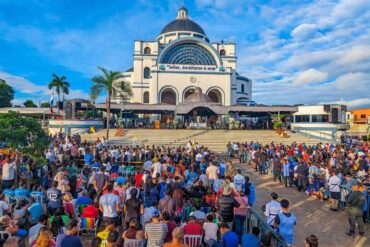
<point x="181" y="59"/>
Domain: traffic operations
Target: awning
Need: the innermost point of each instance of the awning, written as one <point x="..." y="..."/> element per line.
<point x="218" y="109"/>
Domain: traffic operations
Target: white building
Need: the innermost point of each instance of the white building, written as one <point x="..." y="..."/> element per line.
<point x="325" y="121"/>
<point x="168" y="69"/>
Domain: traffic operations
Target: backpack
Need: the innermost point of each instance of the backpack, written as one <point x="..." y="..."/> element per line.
<point x="252" y="195"/>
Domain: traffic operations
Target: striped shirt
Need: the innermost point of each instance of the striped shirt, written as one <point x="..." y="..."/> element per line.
<point x="156" y="233"/>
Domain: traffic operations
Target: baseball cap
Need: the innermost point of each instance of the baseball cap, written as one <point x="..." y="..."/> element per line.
<point x="155" y="213"/>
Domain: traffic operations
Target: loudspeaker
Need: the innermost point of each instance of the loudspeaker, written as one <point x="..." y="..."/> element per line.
<point x="60" y="106"/>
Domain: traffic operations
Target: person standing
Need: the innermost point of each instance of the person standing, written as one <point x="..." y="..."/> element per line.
<point x="109" y="205"/>
<point x="285" y="222"/>
<point x="333" y="187"/>
<point x="54" y="196"/>
<point x="212" y="173"/>
<point x="302" y="175"/>
<point x="8" y="174"/>
<point x="356" y="201"/>
<point x="226" y="204"/>
<point x="156" y="231"/>
<point x="286" y="173"/>
<point x="272" y="209"/>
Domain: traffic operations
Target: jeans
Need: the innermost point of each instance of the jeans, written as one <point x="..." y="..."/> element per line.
<point x="214" y="243"/>
<point x="263" y="167"/>
<point x="277" y="175"/>
<point x="352" y="224"/>
<point x="239" y="225"/>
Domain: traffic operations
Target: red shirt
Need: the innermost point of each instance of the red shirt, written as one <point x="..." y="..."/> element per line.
<point x="192" y="228"/>
<point x="138" y="179"/>
<point x="90" y="212"/>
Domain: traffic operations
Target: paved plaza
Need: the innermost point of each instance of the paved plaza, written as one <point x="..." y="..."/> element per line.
<point x="313" y="216"/>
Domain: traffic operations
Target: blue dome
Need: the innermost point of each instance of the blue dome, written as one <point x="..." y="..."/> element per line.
<point x="182" y="25"/>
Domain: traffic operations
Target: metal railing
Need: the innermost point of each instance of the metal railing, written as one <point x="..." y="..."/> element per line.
<point x="254" y="219"/>
<point x="312" y="133"/>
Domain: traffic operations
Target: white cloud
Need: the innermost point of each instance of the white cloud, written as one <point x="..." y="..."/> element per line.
<point x="22" y="84"/>
<point x="309" y="76"/>
<point x="353" y="81"/>
<point x="304" y="31"/>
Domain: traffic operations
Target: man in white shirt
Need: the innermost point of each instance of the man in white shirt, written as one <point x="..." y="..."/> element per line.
<point x="8" y="175"/>
<point x="212" y="173"/>
<point x="109" y="205"/>
<point x="157" y="169"/>
<point x="272" y="209"/>
<point x="333" y="187"/>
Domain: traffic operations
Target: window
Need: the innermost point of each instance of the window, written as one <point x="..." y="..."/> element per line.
<point x="242" y="88"/>
<point x="222" y="52"/>
<point x="302" y="119"/>
<point x="320" y="118"/>
<point x="146" y="72"/>
<point x="363" y="116"/>
<point x="146" y="98"/>
<point x="147" y="50"/>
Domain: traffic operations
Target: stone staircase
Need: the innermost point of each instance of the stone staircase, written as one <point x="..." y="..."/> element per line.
<point x="216" y="140"/>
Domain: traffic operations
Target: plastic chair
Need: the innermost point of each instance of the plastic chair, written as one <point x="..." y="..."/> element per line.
<point x="38" y="196"/>
<point x="5" y="235"/>
<point x="21" y="198"/>
<point x="88" y="225"/>
<point x="133" y="243"/>
<point x="193" y="240"/>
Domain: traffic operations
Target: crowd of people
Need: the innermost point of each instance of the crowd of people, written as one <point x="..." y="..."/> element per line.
<point x="126" y="196"/>
<point x="337" y="173"/>
<point x="169" y="196"/>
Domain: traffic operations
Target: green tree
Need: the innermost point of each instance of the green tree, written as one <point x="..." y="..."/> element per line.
<point x="61" y="86"/>
<point x="23" y="134"/>
<point x="29" y="103"/>
<point x="6" y="94"/>
<point x="113" y="84"/>
<point x="45" y="105"/>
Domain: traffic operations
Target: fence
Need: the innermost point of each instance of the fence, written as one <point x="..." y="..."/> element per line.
<point x="254" y="219"/>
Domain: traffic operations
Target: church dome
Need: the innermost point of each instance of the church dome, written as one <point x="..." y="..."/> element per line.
<point x="182" y="23"/>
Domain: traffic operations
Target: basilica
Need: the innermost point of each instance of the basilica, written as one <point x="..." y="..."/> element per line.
<point x="181" y="61"/>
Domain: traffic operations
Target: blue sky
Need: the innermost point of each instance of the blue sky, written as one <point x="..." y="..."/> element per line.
<point x="295" y="51"/>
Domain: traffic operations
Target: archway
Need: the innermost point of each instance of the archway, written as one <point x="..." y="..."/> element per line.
<point x="187" y="92"/>
<point x="215" y="95"/>
<point x="168" y="96"/>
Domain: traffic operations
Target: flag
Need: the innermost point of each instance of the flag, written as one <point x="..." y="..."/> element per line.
<point x="51" y="103"/>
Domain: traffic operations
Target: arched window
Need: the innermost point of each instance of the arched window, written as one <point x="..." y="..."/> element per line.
<point x="242" y="88"/>
<point x="147" y="50"/>
<point x="146" y="98"/>
<point x="146" y="72"/>
<point x="222" y="52"/>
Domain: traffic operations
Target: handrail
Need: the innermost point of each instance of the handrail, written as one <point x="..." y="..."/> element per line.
<point x="321" y="134"/>
<point x="254" y="219"/>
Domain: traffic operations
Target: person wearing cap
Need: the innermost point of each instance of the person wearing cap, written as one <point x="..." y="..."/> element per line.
<point x="356" y="201"/>
<point x="156" y="231"/>
<point x="226" y="204"/>
<point x="69" y="239"/>
<point x="272" y="208"/>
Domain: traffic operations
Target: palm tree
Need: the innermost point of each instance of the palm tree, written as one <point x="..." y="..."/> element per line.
<point x="61" y="86"/>
<point x="112" y="82"/>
